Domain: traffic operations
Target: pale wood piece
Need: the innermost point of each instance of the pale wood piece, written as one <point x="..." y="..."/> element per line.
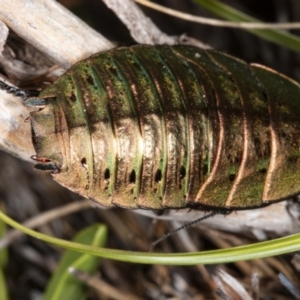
<point x="53" y="30"/>
<point x="141" y="28"/>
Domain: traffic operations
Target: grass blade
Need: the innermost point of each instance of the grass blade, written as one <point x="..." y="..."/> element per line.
<point x="278" y="37"/>
<point x="62" y="284"/>
<point x="259" y="250"/>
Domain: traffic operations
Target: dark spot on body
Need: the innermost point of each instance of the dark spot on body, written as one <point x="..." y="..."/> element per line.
<point x="182" y="172"/>
<point x="83" y="162"/>
<point x="263" y="171"/>
<point x="106" y="174"/>
<point x="158" y="176"/>
<point x="90" y="80"/>
<point x="73" y="97"/>
<point x="205" y="169"/>
<point x="231" y="177"/>
<point x="132" y="177"/>
<point x="265" y="95"/>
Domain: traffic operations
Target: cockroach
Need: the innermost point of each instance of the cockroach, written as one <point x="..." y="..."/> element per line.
<point x="158" y="127"/>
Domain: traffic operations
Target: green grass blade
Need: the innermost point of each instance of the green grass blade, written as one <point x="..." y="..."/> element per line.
<point x="279" y="37"/>
<point x="62" y="284"/>
<point x="3" y="289"/>
<point x="254" y="251"/>
<point x="3" y="252"/>
<point x="3" y="260"/>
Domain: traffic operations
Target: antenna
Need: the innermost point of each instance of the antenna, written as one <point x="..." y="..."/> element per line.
<point x="187" y="225"/>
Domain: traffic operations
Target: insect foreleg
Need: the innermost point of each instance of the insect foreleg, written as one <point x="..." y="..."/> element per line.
<point x="16" y="91"/>
<point x="49" y="167"/>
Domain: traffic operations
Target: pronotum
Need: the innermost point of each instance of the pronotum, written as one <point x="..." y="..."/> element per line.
<point x="159" y="127"/>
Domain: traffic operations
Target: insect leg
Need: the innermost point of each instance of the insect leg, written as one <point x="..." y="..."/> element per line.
<point x="48" y="167"/>
<point x="16" y="91"/>
<point x="35" y="102"/>
<point x="45" y="165"/>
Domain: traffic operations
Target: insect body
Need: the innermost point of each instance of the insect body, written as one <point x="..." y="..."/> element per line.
<point x="170" y="127"/>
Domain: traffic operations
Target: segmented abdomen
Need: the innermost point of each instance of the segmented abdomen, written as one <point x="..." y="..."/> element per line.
<point x="165" y="126"/>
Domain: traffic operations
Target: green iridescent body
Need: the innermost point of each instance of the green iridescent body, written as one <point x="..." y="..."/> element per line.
<point x="170" y="127"/>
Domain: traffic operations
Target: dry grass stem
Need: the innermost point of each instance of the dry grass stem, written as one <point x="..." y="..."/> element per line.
<point x="103" y="288"/>
<point x="44" y="218"/>
<point x="215" y="22"/>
